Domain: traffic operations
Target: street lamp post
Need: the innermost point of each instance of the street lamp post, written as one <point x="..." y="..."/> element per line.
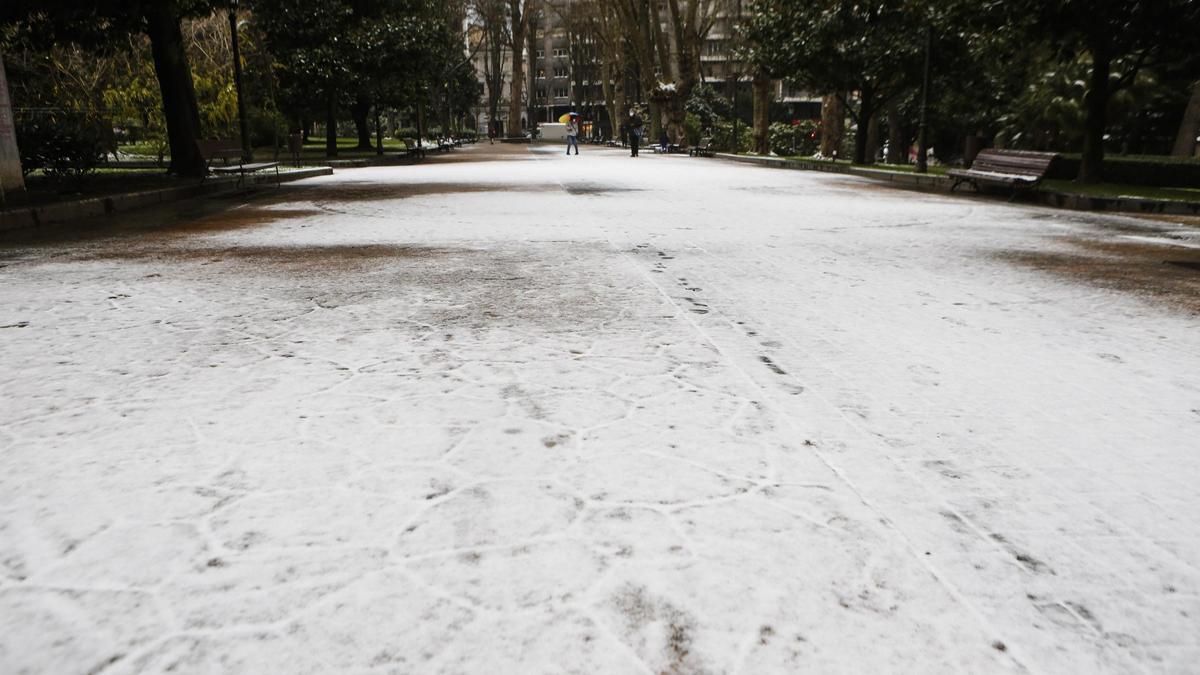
<point x="237" y="81"/>
<point x="923" y="133"/>
<point x="736" y="144"/>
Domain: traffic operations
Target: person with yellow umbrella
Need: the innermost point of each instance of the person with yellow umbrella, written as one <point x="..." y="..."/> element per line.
<point x="572" y="122"/>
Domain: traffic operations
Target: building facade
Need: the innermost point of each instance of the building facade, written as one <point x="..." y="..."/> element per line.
<point x="564" y="71"/>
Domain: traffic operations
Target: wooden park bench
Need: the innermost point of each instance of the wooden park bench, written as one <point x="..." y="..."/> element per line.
<point x="702" y="149"/>
<point x="226" y="149"/>
<point x="412" y="148"/>
<point x="1014" y="169"/>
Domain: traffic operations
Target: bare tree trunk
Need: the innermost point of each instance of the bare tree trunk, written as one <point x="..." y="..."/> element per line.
<point x="180" y="110"/>
<point x="762" y="113"/>
<point x="359" y="111"/>
<point x="833" y="123"/>
<point x="621" y="101"/>
<point x="420" y="117"/>
<point x="1189" y="128"/>
<point x="1095" y="101"/>
<point x="531" y="45"/>
<point x="493" y="69"/>
<point x="897" y="152"/>
<point x="607" y="81"/>
<point x="863" y="148"/>
<point x="331" y="149"/>
<point x="378" y="132"/>
<point x="516" y="101"/>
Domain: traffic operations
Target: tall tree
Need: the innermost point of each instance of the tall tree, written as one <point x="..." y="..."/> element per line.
<point x="689" y="23"/>
<point x="352" y="53"/>
<point x="1189" y="127"/>
<point x="830" y="45"/>
<point x="518" y="25"/>
<point x="761" y="98"/>
<point x="1121" y="38"/>
<point x="313" y="60"/>
<point x="640" y="25"/>
<point x="610" y="42"/>
<point x="99" y="22"/>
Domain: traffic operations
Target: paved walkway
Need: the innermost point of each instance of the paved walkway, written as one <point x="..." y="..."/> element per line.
<point x="510" y="412"/>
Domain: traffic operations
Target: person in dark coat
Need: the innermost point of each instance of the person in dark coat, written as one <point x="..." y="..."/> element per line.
<point x="573" y="133"/>
<point x="636" y="126"/>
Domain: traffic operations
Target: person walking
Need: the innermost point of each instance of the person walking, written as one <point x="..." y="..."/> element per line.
<point x="573" y="133"/>
<point x="491" y="132"/>
<point x="635" y="132"/>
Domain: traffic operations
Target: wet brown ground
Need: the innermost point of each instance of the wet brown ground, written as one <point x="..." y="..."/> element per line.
<point x="1162" y="273"/>
<point x="1166" y="273"/>
<point x="373" y="191"/>
<point x="203" y="215"/>
<point x="325" y="256"/>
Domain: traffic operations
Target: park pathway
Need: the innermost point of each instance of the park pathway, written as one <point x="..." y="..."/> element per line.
<point x="507" y="411"/>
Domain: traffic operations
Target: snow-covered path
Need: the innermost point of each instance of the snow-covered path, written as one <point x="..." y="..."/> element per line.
<point x="510" y="412"/>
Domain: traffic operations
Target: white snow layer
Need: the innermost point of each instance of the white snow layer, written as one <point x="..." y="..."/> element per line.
<point x="532" y="414"/>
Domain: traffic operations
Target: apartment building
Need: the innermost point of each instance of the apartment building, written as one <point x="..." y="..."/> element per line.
<point x="564" y="71"/>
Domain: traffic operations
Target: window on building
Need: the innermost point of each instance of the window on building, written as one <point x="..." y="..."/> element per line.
<point x="541" y="53"/>
<point x="560" y="71"/>
<point x="560" y="92"/>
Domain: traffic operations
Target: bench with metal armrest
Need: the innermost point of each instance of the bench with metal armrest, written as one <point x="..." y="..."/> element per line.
<point x="702" y="149"/>
<point x="1014" y="169"/>
<point x="226" y="149"/>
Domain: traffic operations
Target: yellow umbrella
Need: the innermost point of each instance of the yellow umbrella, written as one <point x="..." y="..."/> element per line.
<point x="566" y="117"/>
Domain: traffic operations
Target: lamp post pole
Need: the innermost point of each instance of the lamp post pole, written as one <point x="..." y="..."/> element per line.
<point x="923" y="134"/>
<point x="237" y="82"/>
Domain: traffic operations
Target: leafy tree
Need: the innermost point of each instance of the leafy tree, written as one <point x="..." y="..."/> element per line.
<point x="493" y="35"/>
<point x="1189" y="126"/>
<point x="350" y="53"/>
<point x="313" y="58"/>
<point x="100" y="23"/>
<point x="708" y="105"/>
<point x="1121" y="38"/>
<point x="519" y="15"/>
<point x="830" y="45"/>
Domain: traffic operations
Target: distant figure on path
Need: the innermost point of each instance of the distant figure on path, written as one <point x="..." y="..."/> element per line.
<point x="624" y="134"/>
<point x="663" y="141"/>
<point x="573" y="133"/>
<point x="491" y="133"/>
<point x="635" y="132"/>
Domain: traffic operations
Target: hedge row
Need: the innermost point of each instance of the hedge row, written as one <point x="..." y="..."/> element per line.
<point x="1136" y="171"/>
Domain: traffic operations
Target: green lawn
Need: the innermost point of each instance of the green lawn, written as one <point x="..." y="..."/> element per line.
<point x="1105" y="190"/>
<point x="101" y="182"/>
<point x="147" y="148"/>
<point x="937" y="170"/>
<point x="934" y="169"/>
<point x="807" y="158"/>
<point x="314" y="149"/>
<point x="1114" y="190"/>
<point x="1158" y="159"/>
